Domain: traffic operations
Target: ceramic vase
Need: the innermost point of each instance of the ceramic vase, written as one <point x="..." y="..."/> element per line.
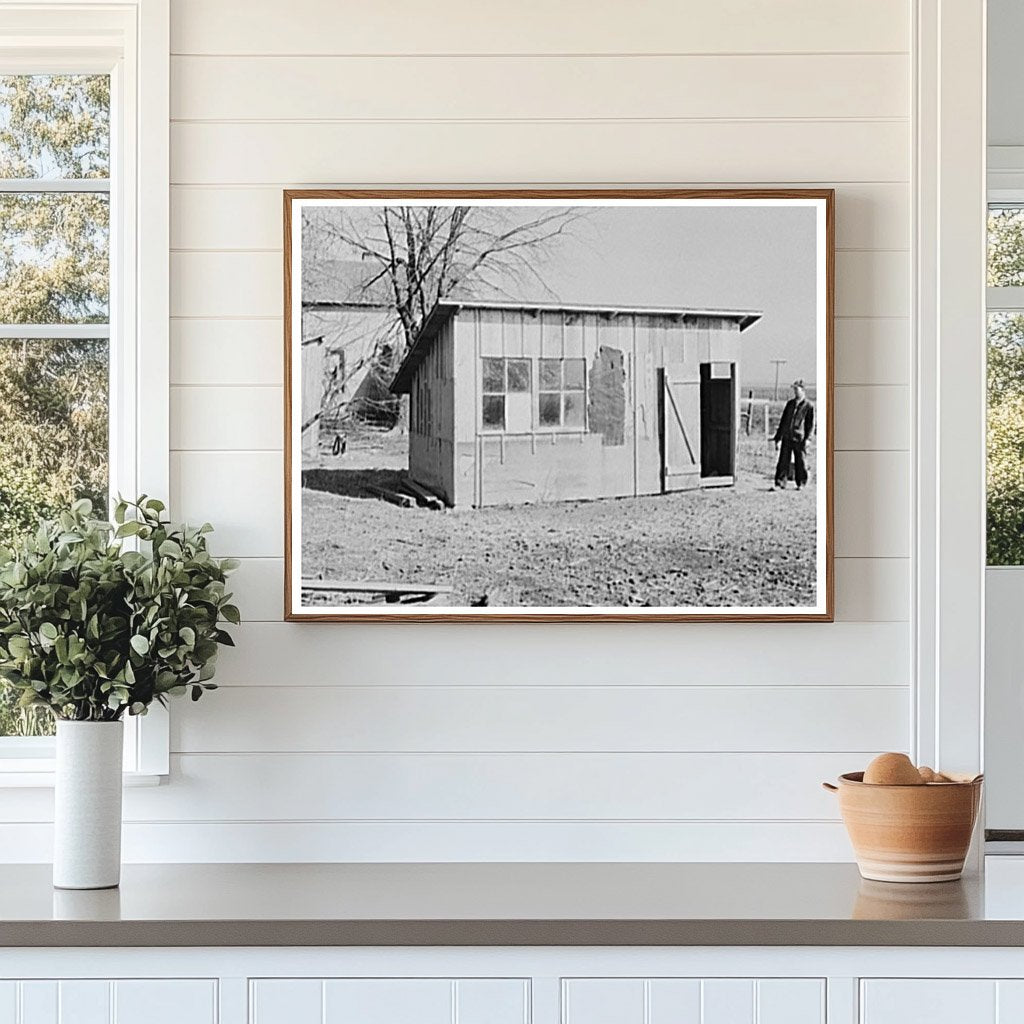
<point x="87" y="805"/>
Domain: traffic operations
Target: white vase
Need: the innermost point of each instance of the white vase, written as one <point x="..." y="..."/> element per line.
<point x="87" y="805"/>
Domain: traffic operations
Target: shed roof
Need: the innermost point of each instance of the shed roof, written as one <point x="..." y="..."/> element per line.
<point x="443" y="311"/>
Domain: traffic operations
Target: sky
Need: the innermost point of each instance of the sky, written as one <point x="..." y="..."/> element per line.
<point x="760" y="258"/>
<point x="741" y="257"/>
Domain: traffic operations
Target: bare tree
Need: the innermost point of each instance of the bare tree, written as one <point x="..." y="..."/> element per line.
<point x="422" y="254"/>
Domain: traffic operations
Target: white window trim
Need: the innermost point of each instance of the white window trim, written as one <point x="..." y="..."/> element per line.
<point x="949" y="445"/>
<point x="131" y="41"/>
<point x="1003" y="718"/>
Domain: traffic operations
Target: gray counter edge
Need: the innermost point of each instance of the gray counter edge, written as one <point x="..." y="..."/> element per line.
<point x="252" y="933"/>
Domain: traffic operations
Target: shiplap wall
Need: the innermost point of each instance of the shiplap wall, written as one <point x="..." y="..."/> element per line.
<point x="689" y="741"/>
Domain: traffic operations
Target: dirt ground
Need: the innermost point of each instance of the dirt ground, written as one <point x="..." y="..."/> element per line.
<point x="731" y="546"/>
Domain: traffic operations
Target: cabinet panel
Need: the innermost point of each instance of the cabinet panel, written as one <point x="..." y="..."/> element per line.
<point x="101" y="1001"/>
<point x="286" y="1001"/>
<point x="84" y="1002"/>
<point x="693" y="1001"/>
<point x="674" y="1000"/>
<point x="603" y="1001"/>
<point x="1010" y="1002"/>
<point x="388" y="1001"/>
<point x="790" y="1001"/>
<point x="492" y="1002"/>
<point x="929" y="1001"/>
<point x="8" y="1002"/>
<point x="38" y="1002"/>
<point x="727" y="1001"/>
<point x="165" y="1002"/>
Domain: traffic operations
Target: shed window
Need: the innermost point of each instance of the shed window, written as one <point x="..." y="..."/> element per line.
<point x="561" y="401"/>
<point x="502" y="378"/>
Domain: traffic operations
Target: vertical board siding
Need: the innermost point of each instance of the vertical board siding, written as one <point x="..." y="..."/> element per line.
<point x="702" y="741"/>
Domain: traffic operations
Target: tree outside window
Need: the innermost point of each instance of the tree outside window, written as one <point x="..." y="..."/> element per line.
<point x="54" y="306"/>
<point x="1005" y="469"/>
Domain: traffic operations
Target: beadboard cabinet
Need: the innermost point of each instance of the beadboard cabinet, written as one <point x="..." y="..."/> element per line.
<point x="106" y="1001"/>
<point x="942" y="1001"/>
<point x="700" y="1001"/>
<point x="512" y="985"/>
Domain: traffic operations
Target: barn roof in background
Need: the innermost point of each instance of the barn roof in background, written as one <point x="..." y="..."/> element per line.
<point x="444" y="310"/>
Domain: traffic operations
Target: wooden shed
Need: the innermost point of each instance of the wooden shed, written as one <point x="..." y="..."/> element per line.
<point x="514" y="403"/>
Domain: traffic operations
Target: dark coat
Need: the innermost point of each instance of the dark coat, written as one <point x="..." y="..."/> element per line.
<point x="797" y="421"/>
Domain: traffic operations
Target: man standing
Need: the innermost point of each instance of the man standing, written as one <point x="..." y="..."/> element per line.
<point x="792" y="436"/>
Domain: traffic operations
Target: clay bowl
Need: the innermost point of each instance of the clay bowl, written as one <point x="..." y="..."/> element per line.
<point x="909" y="833"/>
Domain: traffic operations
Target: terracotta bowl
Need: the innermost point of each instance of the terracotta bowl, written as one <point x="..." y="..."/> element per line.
<point x="909" y="833"/>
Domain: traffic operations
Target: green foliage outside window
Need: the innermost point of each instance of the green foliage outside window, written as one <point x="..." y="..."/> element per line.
<point x="54" y="269"/>
<point x="1005" y="470"/>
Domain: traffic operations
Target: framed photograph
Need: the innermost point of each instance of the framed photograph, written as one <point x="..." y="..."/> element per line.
<point x="558" y="405"/>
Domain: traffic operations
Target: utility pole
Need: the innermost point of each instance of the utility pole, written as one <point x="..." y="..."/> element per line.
<point x="778" y="363"/>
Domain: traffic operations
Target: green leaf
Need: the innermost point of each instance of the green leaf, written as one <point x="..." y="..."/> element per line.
<point x="18" y="646"/>
<point x="48" y="631"/>
<point x="232" y="614"/>
<point x="170" y="549"/>
<point x="140" y="644"/>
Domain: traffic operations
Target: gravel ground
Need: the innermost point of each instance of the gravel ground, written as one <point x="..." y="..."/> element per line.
<point x="744" y="545"/>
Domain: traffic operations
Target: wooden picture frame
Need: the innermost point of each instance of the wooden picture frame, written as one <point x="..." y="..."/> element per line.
<point x="500" y="417"/>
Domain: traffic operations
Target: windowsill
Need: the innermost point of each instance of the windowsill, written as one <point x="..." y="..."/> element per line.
<point x="40" y="773"/>
<point x="538" y="432"/>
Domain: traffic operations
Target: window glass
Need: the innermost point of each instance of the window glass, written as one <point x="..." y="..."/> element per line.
<point x="54" y="126"/>
<point x="54" y="273"/>
<point x="561" y="401"/>
<point x="550" y="408"/>
<point x="54" y="257"/>
<point x="574" y="374"/>
<point x="494" y="376"/>
<point x="550" y="374"/>
<point x="573" y="409"/>
<point x="1005" y="470"/>
<point x="494" y="412"/>
<point x="1005" y="246"/>
<point x="518" y="374"/>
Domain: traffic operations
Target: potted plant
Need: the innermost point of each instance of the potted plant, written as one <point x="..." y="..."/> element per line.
<point x="99" y="620"/>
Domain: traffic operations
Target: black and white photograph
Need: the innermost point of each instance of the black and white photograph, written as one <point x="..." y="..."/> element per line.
<point x="565" y="405"/>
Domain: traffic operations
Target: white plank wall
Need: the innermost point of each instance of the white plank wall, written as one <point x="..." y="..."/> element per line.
<point x="537" y="742"/>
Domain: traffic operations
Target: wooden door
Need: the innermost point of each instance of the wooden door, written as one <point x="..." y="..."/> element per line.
<point x="680" y="429"/>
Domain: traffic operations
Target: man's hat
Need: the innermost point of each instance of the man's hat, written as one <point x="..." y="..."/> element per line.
<point x="799" y="382"/>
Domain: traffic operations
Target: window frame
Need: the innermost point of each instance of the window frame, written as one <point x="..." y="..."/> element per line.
<point x="1004" y="298"/>
<point x="561" y="427"/>
<point x="130" y="41"/>
<point x="505" y="391"/>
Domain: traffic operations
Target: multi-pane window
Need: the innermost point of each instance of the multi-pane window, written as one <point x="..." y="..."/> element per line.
<point x="562" y="393"/>
<point x="54" y="305"/>
<point x="1005" y="470"/>
<point x="503" y="381"/>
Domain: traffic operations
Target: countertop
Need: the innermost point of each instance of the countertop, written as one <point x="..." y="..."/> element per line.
<point x="510" y="904"/>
